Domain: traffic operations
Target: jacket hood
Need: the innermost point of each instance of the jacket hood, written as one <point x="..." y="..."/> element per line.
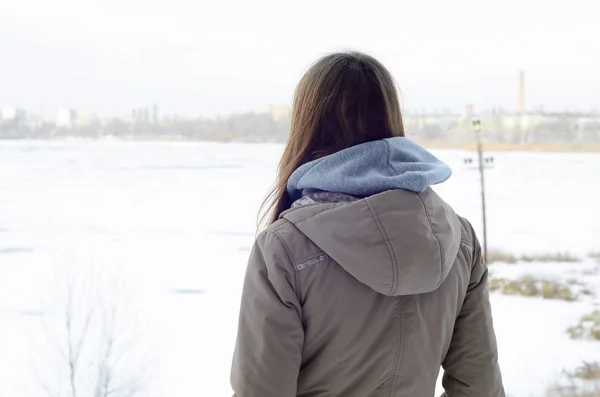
<point x="397" y="242"/>
<point x="402" y="238"/>
<point x="370" y="168"/>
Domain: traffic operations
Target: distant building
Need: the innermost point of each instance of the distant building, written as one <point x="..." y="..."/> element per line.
<point x="145" y="114"/>
<point x="468" y="110"/>
<point x="155" y="113"/>
<point x="66" y="117"/>
<point x="13" y="114"/>
<point x="140" y="115"/>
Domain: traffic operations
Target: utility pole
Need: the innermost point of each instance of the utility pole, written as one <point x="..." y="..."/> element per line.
<point x="477" y="127"/>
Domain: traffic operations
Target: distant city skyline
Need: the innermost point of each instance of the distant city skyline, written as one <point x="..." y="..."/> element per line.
<point x="211" y="58"/>
<point x="68" y="116"/>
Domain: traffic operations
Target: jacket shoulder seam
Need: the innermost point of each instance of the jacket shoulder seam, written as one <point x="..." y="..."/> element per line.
<point x="388" y="246"/>
<point x="294" y="262"/>
<point x="286" y="249"/>
<point x="436" y="238"/>
<point x="468" y="232"/>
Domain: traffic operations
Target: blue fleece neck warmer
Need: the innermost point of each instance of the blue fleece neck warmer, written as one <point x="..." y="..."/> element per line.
<point x="370" y="168"/>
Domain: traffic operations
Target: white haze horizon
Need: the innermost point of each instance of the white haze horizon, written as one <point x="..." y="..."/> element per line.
<point x="209" y="58"/>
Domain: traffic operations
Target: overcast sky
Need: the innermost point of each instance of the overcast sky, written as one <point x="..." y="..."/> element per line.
<point x="202" y="58"/>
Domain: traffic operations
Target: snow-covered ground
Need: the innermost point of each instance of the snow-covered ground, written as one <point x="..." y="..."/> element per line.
<point x="174" y="222"/>
<point x="532" y="331"/>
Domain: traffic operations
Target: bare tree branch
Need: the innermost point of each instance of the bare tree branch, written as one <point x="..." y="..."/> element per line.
<point x="71" y="354"/>
<point x="94" y="348"/>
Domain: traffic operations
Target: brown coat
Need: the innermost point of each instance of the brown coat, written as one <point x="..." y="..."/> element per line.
<point x="367" y="298"/>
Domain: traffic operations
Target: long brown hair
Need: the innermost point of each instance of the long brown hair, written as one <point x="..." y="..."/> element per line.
<point x="343" y="100"/>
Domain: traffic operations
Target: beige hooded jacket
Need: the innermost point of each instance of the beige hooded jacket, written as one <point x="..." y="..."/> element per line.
<point x="367" y="298"/>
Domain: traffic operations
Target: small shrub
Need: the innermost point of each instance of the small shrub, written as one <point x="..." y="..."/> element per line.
<point x="588" y="327"/>
<point x="554" y="290"/>
<point x="530" y="287"/>
<point x="594" y="255"/>
<point x="584" y="381"/>
<point x="497" y="284"/>
<point x="557" y="257"/>
<point x="505" y="257"/>
<point x="512" y="288"/>
<point x="571" y="391"/>
<point x="549" y="289"/>
<point x="576" y="332"/>
<point x="565" y="293"/>
<point x="593" y="317"/>
<point x="588" y="371"/>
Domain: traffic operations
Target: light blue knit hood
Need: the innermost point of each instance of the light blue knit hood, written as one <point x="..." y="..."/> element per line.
<point x="370" y="168"/>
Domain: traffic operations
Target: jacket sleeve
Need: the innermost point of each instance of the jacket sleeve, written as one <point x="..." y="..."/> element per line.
<point x="267" y="356"/>
<point x="471" y="366"/>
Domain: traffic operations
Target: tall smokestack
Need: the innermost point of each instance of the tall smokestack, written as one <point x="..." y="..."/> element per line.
<point x="522" y="92"/>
